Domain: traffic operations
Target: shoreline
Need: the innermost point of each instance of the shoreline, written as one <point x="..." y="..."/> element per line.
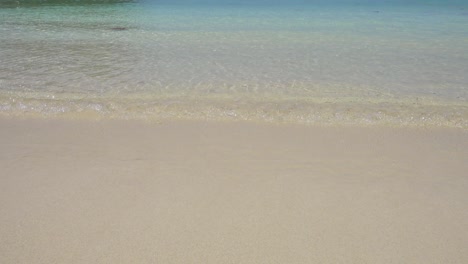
<point x="80" y="191"/>
<point x="400" y="111"/>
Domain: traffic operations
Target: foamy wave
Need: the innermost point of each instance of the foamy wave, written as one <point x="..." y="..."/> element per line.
<point x="322" y="111"/>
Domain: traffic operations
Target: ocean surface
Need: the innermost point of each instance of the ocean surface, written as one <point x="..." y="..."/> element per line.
<point x="315" y="62"/>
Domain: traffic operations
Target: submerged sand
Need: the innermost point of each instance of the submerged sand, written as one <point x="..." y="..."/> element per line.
<point x="196" y="192"/>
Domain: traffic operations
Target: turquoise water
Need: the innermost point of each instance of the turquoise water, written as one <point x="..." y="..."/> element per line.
<point x="324" y="62"/>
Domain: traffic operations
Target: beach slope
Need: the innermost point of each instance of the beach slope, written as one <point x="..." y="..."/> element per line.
<point x="198" y="192"/>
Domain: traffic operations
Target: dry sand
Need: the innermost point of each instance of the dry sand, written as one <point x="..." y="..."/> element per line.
<point x="194" y="192"/>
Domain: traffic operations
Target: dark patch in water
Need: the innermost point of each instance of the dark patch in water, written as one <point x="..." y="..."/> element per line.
<point x="376" y="11"/>
<point x="32" y="3"/>
<point x="118" y="28"/>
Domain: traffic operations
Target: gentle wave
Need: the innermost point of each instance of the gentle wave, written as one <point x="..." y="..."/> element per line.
<point x="319" y="111"/>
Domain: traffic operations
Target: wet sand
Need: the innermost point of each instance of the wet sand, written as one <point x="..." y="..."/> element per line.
<point x="198" y="192"/>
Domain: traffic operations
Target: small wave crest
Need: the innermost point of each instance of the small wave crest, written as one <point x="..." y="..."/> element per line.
<point x="319" y="111"/>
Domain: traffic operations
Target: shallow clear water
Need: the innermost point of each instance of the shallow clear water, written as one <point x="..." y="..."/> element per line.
<point x="314" y="62"/>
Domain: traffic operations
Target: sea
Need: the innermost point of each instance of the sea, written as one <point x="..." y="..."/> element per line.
<point x="335" y="62"/>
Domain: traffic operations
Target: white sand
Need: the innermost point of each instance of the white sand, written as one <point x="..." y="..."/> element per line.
<point x="126" y="192"/>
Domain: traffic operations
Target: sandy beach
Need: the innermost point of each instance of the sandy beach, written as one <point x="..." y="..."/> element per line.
<point x="201" y="192"/>
<point x="233" y="131"/>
